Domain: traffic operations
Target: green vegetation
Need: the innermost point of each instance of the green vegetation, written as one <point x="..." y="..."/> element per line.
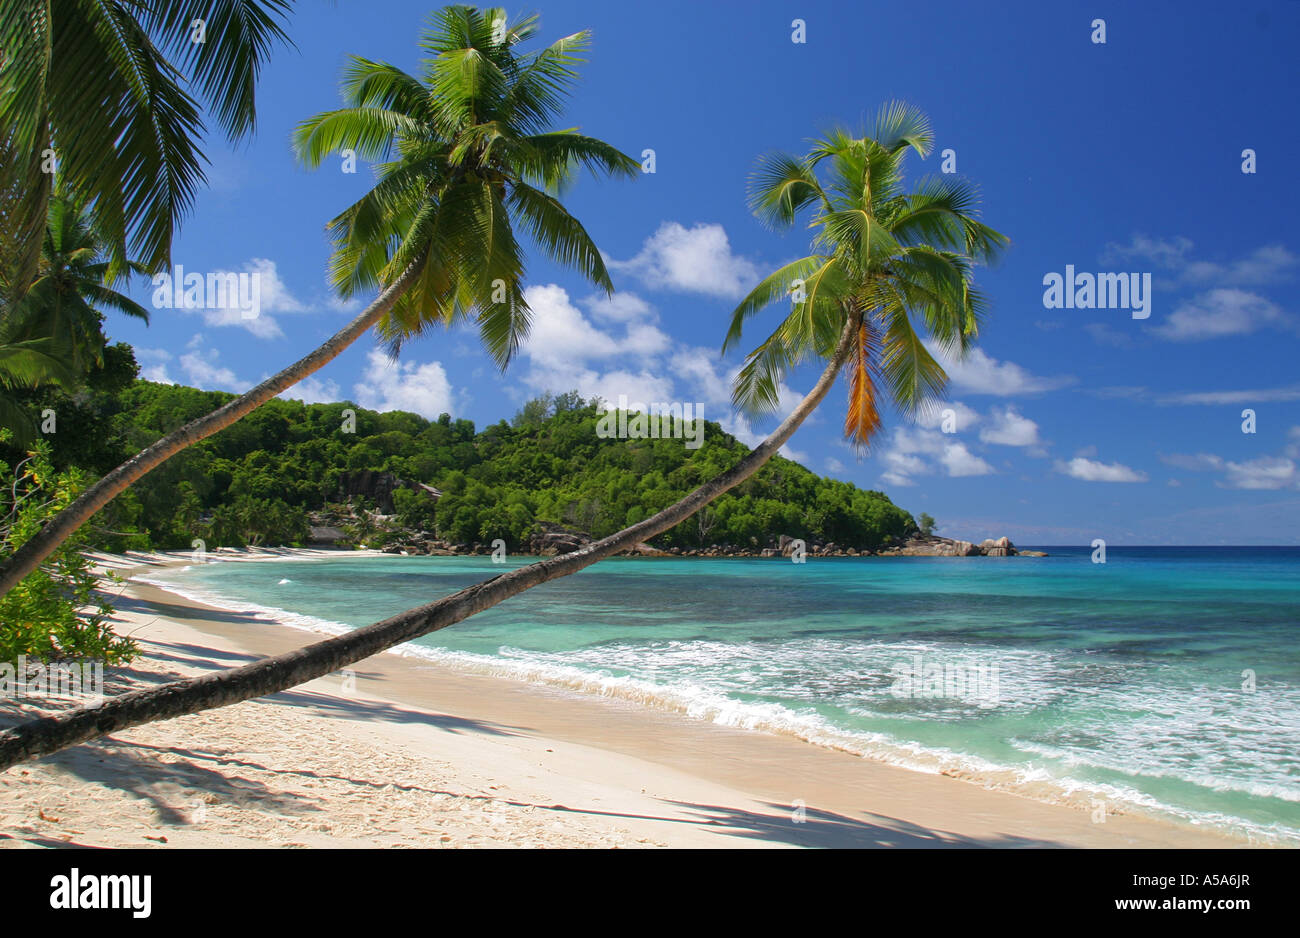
<point x="255" y="482"/>
<point x="53" y="334"/>
<point x="55" y="612"/>
<point x="926" y="523"/>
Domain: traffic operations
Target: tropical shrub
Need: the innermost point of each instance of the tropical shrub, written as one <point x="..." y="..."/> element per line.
<point x="58" y="612"/>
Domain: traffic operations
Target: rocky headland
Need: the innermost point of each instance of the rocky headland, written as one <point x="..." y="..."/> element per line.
<point x="345" y="525"/>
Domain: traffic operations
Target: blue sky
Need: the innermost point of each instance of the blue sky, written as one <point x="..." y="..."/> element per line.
<point x="1117" y="157"/>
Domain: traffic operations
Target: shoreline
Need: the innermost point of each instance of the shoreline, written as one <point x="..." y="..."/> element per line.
<point x="570" y="769"/>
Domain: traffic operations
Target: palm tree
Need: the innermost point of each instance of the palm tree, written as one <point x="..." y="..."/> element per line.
<point x="472" y="158"/>
<point x="26" y="364"/>
<point x="66" y="300"/>
<point x="27" y="360"/>
<point x="97" y="89"/>
<point x="880" y="254"/>
<point x="884" y="263"/>
<point x="53" y="333"/>
<point x="468" y="156"/>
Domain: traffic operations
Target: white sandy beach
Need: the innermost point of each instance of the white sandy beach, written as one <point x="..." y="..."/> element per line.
<point x="409" y="754"/>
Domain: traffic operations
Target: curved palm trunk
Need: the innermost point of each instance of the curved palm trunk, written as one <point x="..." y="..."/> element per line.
<point x="280" y="672"/>
<point x="28" y="557"/>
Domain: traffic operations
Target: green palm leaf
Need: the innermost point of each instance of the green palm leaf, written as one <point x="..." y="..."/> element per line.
<point x="238" y="36"/>
<point x="781" y="187"/>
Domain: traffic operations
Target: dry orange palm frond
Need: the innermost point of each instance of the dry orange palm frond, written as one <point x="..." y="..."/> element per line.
<point x="863" y="419"/>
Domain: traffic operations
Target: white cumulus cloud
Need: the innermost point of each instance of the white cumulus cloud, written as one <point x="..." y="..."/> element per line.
<point x="980" y="373"/>
<point x="916" y="451"/>
<point x="959" y="461"/>
<point x="394" y="385"/>
<point x="691" y="260"/>
<point x="1266" y="472"/>
<point x="202" y="371"/>
<point x="223" y="300"/>
<point x="1266" y="264"/>
<point x="1092" y="470"/>
<point x="199" y="367"/>
<point x="1007" y="427"/>
<point x="313" y="390"/>
<point x="1222" y="312"/>
<point x="933" y="417"/>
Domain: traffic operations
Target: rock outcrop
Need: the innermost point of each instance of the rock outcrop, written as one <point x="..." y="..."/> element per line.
<point x="1002" y="547"/>
<point x="931" y="545"/>
<point x="345" y="525"/>
<point x="378" y="487"/>
<point x="552" y="539"/>
<point x="324" y="535"/>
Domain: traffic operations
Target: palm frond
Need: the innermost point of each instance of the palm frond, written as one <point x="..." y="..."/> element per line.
<point x="780" y="187"/>
<point x="899" y="124"/>
<point x="549" y="159"/>
<point x="31" y="363"/>
<point x="238" y="36"/>
<point x="370" y="131"/>
<point x="371" y="84"/>
<point x="543" y="81"/>
<point x="123" y="129"/>
<point x="558" y="233"/>
<point x="915" y="379"/>
<point x="756" y="389"/>
<point x="775" y="286"/>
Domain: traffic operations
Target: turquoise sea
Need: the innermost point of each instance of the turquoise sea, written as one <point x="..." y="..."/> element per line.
<point x="1165" y="681"/>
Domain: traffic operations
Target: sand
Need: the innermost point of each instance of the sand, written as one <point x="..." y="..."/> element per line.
<point x="405" y="753"/>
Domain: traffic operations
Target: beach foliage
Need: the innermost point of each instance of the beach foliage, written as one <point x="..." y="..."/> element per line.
<point x="59" y="611"/>
<point x="52" y="329"/>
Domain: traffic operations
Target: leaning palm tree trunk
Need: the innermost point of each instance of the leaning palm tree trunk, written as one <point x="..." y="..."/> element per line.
<point x="280" y="672"/>
<point x="28" y="557"/>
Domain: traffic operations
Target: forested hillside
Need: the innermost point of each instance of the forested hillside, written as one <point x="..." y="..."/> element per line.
<point x="257" y="482"/>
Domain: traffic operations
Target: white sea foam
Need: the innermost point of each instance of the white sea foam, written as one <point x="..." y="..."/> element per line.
<point x="272" y="614"/>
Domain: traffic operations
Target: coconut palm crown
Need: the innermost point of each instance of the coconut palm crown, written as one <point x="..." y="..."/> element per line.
<point x="896" y="265"/>
<point x="68" y="299"/>
<point x="467" y="154"/>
